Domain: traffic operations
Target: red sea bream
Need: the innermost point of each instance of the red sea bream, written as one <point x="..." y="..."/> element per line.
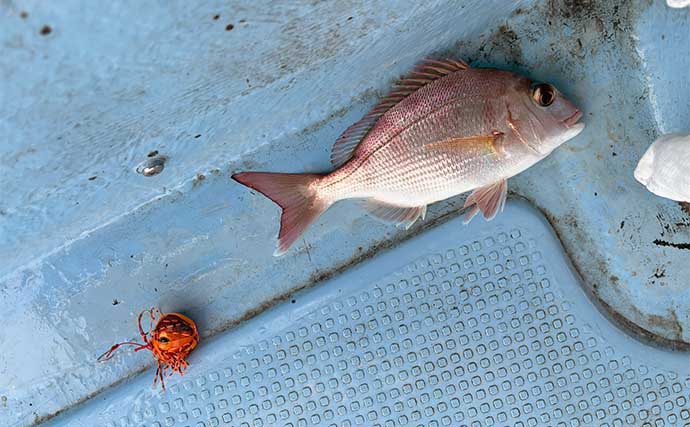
<point x="445" y="129"/>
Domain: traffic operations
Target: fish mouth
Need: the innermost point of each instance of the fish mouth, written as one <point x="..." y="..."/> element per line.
<point x="572" y="120"/>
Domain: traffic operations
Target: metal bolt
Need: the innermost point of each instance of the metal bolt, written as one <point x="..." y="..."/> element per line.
<point x="152" y="166"/>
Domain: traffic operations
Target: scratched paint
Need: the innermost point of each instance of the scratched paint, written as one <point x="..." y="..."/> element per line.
<point x="106" y="87"/>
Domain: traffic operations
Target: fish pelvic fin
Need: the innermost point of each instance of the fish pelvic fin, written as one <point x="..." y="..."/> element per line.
<point x="397" y="214"/>
<point x="489" y="199"/>
<point x="296" y="194"/>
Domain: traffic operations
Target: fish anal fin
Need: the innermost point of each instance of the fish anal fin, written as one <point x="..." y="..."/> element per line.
<point x="424" y="73"/>
<point x="489" y="200"/>
<point x="397" y="214"/>
<point x="454" y="144"/>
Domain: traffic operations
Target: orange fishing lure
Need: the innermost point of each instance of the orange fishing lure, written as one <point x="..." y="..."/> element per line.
<point x="170" y="340"/>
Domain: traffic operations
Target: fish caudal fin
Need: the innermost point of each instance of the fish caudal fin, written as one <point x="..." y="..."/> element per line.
<point x="295" y="194"/>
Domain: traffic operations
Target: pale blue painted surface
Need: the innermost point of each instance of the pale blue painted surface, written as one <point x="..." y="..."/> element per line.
<point x="113" y="82"/>
<point x="458" y="326"/>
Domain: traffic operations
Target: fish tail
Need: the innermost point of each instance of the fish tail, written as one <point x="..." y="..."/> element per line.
<point x="296" y="194"/>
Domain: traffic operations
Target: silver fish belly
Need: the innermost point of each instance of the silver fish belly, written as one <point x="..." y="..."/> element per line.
<point x="407" y="171"/>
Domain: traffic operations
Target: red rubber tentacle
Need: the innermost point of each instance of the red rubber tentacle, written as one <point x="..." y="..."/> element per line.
<point x="160" y="373"/>
<point x="142" y="347"/>
<point x="141" y="329"/>
<point x="155" y="377"/>
<point x="152" y="312"/>
<point x="109" y="354"/>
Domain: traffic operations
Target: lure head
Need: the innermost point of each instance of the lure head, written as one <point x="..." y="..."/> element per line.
<point x="171" y="340"/>
<point x="174" y="336"/>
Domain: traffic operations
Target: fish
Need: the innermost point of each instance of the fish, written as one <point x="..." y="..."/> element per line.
<point x="444" y="129"/>
<point x="663" y="168"/>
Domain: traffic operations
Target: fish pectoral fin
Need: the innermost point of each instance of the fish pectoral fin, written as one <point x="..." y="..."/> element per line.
<point x="453" y="144"/>
<point x="489" y="200"/>
<point x="392" y="213"/>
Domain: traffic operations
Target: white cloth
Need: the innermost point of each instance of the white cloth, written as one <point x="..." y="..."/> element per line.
<point x="678" y="3"/>
<point x="665" y="168"/>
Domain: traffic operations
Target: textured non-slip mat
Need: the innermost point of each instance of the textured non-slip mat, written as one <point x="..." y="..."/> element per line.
<point x="478" y="325"/>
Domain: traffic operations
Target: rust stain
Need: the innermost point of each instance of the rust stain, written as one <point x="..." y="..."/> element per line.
<point x="669" y="322"/>
<point x="686" y="207"/>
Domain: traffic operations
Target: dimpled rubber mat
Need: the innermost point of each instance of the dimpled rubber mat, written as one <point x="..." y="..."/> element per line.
<point x="479" y="325"/>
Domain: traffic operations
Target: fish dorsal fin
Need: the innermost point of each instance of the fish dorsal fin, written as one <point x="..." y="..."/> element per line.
<point x="423" y="74"/>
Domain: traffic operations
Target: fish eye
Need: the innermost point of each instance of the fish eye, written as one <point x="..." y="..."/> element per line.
<point x="163" y="339"/>
<point x="543" y="94"/>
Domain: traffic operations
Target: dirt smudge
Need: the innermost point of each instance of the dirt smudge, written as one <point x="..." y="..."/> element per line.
<point x="682" y="246"/>
<point x="669" y="322"/>
<point x="198" y="179"/>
